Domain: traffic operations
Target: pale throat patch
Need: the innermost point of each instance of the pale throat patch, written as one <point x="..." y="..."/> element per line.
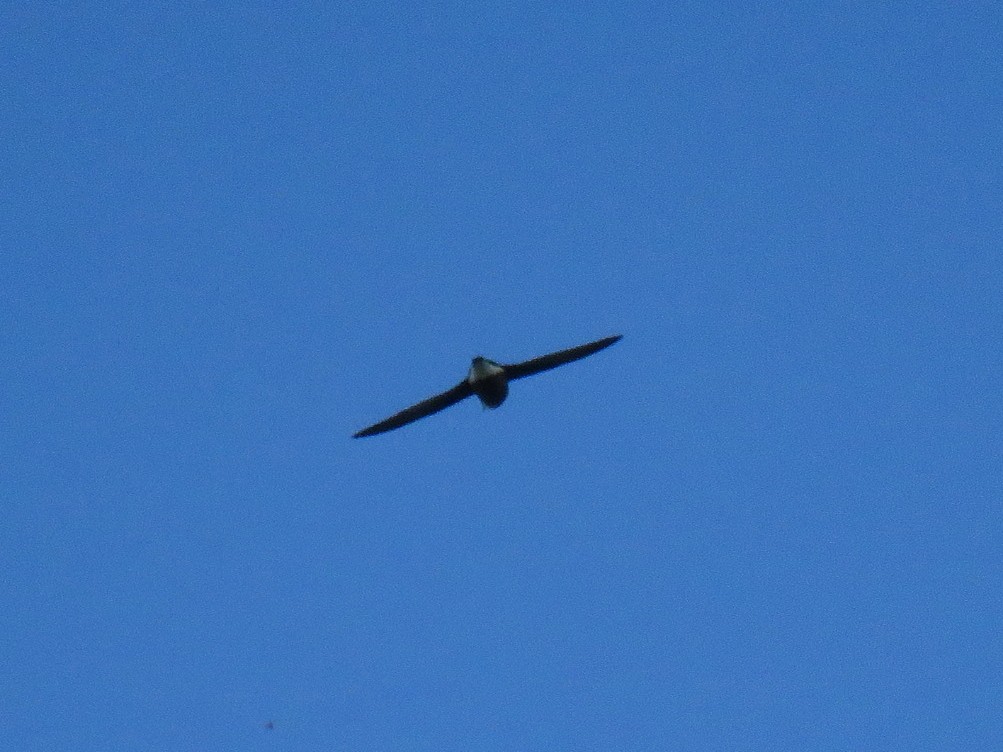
<point x="482" y="369"/>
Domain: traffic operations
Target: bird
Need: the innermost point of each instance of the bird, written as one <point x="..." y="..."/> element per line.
<point x="489" y="381"/>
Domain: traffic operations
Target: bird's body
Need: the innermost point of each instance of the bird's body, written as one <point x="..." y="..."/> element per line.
<point x="489" y="381"/>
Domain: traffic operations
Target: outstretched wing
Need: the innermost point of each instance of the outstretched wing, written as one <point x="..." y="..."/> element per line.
<point x="546" y="362"/>
<point x="413" y="413"/>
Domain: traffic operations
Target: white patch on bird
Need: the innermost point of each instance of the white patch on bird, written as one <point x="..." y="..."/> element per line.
<point x="482" y="368"/>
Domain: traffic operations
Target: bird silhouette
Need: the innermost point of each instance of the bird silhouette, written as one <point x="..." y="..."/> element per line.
<point x="489" y="381"/>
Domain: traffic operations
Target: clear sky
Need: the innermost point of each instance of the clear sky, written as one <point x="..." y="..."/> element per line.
<point x="769" y="518"/>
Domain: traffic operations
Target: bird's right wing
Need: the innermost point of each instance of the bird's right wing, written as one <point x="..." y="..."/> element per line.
<point x="413" y="413"/>
<point x="546" y="362"/>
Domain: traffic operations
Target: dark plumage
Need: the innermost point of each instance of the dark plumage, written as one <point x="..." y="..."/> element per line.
<point x="489" y="381"/>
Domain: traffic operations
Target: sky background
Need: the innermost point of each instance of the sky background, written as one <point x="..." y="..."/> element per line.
<point x="769" y="518"/>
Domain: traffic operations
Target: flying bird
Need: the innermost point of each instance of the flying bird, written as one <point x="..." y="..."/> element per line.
<point x="489" y="381"/>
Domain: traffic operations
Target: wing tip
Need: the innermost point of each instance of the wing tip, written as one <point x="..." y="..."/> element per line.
<point x="370" y="431"/>
<point x="602" y="344"/>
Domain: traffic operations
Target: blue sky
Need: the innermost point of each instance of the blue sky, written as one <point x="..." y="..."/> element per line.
<point x="769" y="518"/>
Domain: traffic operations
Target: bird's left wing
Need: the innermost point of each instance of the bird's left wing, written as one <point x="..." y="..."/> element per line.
<point x="413" y="413"/>
<point x="546" y="362"/>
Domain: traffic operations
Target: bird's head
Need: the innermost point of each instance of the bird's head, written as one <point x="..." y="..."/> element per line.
<point x="482" y="368"/>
